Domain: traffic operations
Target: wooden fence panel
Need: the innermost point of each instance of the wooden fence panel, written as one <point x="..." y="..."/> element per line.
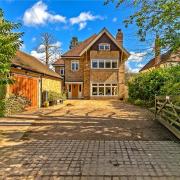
<point x="168" y="113"/>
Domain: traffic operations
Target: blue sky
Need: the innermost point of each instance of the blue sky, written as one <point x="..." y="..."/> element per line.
<point x="82" y="18"/>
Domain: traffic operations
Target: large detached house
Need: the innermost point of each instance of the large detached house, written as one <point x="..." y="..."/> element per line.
<point x="95" y="68"/>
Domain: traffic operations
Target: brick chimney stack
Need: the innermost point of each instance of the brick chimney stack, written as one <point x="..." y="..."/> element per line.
<point x="157" y="51"/>
<point x="119" y="37"/>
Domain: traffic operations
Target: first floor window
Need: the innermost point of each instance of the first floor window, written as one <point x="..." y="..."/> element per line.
<point x="114" y="64"/>
<point x="104" y="63"/>
<point x="94" y="64"/>
<point x="104" y="89"/>
<point x="62" y="71"/>
<point x="108" y="64"/>
<point x="101" y="64"/>
<point x="75" y="65"/>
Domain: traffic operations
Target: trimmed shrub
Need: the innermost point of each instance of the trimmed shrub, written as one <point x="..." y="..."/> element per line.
<point x="162" y="81"/>
<point x="2" y="108"/>
<point x="54" y="96"/>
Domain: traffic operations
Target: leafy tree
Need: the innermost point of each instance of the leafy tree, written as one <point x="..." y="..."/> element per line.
<point x="160" y="17"/>
<point x="74" y="42"/>
<point x="49" y="48"/>
<point x="9" y="44"/>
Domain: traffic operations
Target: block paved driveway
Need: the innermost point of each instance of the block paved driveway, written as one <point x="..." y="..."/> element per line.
<point x="88" y="140"/>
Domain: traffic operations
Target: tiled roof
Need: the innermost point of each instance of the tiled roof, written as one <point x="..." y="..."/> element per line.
<point x="166" y="57"/>
<point x="59" y="62"/>
<point x="29" y="62"/>
<point x="75" y="52"/>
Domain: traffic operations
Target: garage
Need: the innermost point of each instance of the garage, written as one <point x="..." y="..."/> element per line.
<point x="26" y="86"/>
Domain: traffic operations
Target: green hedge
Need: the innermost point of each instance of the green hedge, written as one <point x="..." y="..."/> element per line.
<point x="163" y="81"/>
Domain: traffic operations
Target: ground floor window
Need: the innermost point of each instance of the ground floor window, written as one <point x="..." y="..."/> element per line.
<point x="104" y="89"/>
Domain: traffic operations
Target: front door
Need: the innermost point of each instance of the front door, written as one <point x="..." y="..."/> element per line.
<point x="75" y="90"/>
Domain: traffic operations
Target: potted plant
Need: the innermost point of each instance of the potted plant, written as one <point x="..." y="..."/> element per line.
<point x="46" y="104"/>
<point x="52" y="98"/>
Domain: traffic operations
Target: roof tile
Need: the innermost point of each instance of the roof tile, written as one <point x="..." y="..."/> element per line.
<point x="79" y="48"/>
<point x="31" y="63"/>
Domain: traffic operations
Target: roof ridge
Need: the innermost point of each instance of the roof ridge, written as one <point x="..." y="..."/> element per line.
<point x="22" y="56"/>
<point x="81" y="44"/>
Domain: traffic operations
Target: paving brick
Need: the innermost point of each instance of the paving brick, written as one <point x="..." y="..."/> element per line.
<point x="83" y="160"/>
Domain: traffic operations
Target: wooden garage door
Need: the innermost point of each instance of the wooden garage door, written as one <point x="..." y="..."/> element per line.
<point x="26" y="86"/>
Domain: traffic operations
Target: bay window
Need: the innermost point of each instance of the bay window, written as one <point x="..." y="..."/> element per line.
<point x="104" y="89"/>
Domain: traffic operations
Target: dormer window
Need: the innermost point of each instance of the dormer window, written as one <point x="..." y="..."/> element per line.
<point x="104" y="47"/>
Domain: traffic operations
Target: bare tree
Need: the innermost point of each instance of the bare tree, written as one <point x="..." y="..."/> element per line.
<point x="49" y="48"/>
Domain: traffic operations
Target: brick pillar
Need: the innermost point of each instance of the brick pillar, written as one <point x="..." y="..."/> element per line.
<point x="121" y="80"/>
<point x="86" y="76"/>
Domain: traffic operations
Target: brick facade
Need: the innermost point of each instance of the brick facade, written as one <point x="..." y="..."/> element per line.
<point x="76" y="76"/>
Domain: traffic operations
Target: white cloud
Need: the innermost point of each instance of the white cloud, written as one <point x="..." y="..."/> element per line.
<point x="140" y="65"/>
<point x="57" y="44"/>
<point x="133" y="67"/>
<point x="23" y="46"/>
<point x="37" y="54"/>
<point x="82" y="19"/>
<point x="40" y="55"/>
<point x="114" y="19"/>
<point x="136" y="57"/>
<point x="38" y="15"/>
<point x="33" y="39"/>
<point x="82" y="25"/>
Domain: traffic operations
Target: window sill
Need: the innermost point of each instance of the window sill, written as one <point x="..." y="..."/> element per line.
<point x="104" y="68"/>
<point x="104" y="95"/>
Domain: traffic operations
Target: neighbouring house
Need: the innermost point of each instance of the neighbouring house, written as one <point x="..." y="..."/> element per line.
<point x="165" y="60"/>
<point x="32" y="78"/>
<point x="95" y="68"/>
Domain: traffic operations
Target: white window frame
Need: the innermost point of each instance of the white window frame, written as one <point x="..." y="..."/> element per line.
<point x="98" y="85"/>
<point x="76" y="62"/>
<point x="104" y="60"/>
<point x="104" y="45"/>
